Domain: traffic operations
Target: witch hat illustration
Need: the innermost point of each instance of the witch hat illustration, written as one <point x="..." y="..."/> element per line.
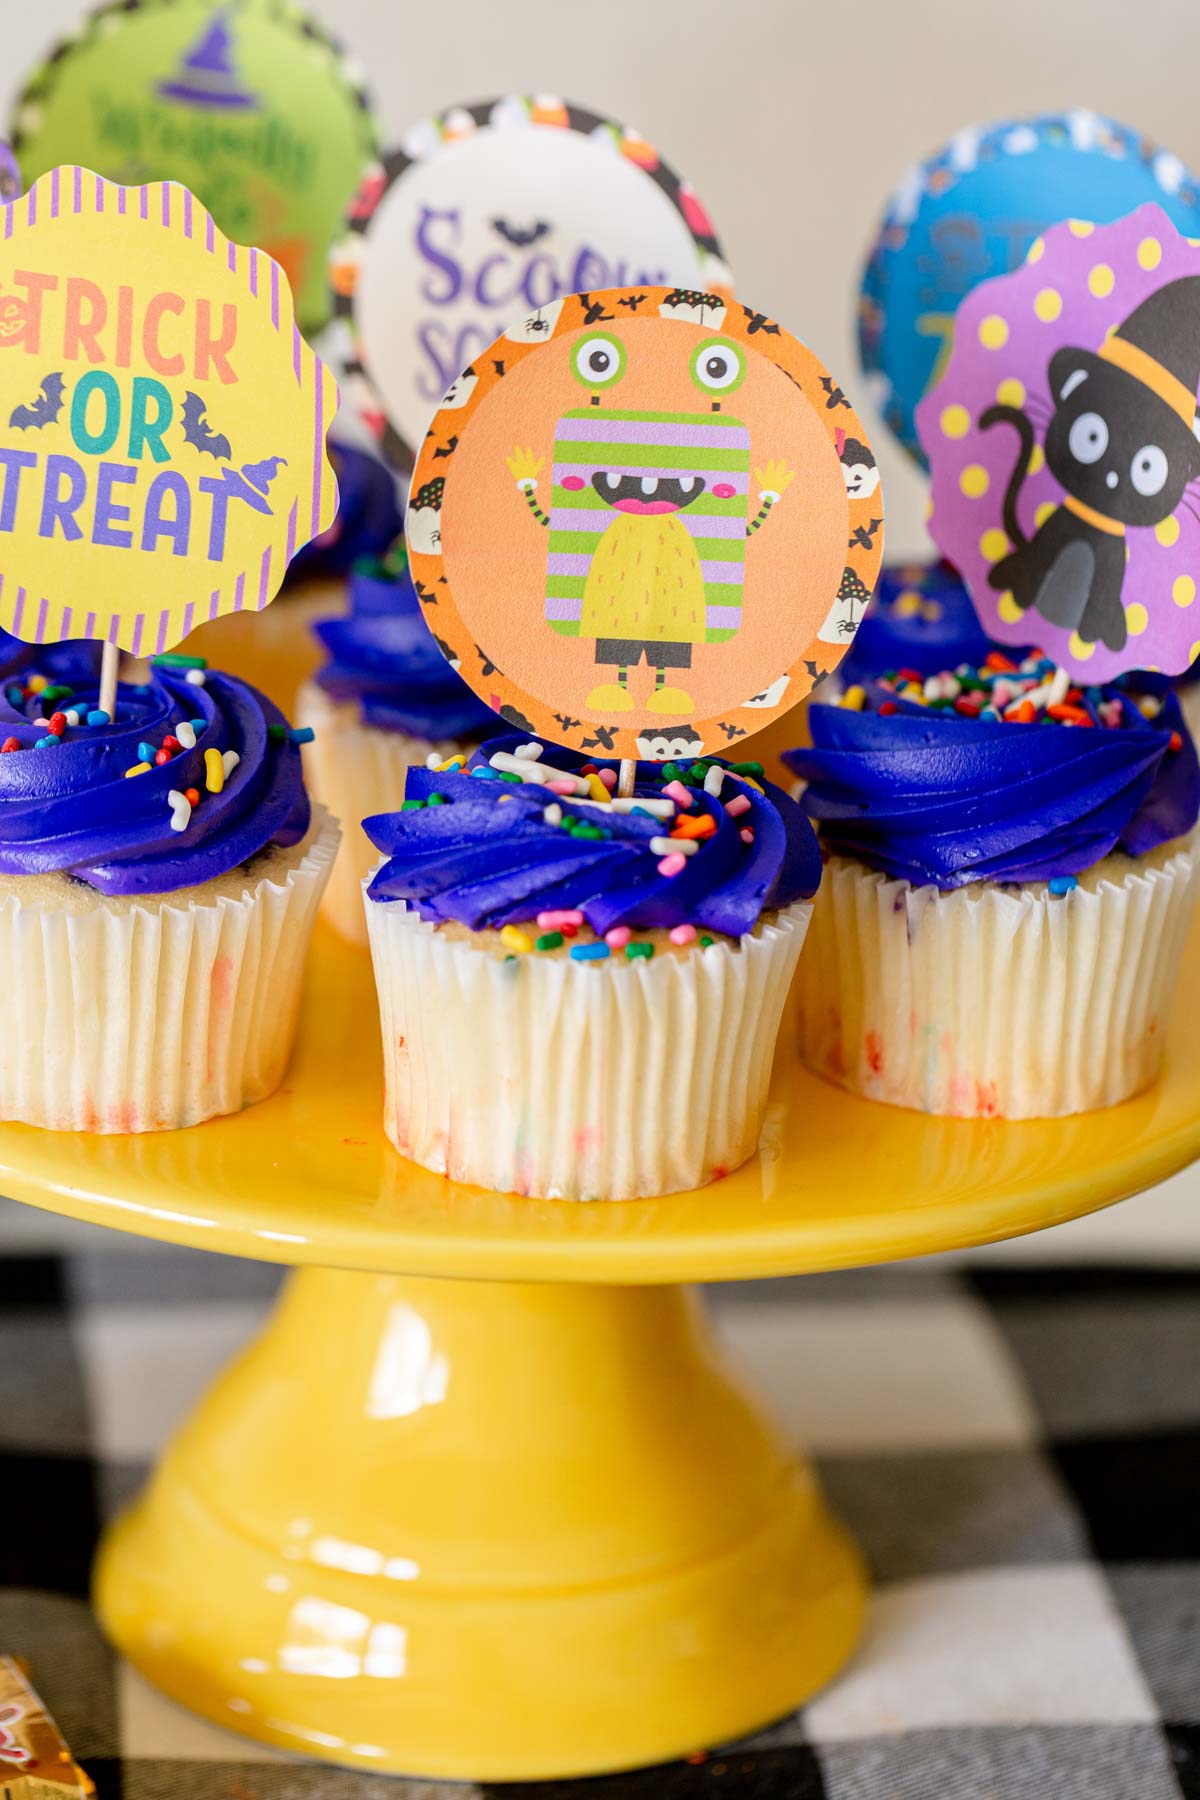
<point x="1159" y="345"/>
<point x="206" y="76"/>
<point x="252" y="482"/>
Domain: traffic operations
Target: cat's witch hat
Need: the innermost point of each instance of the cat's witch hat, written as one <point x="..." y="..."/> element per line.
<point x="1159" y="345"/>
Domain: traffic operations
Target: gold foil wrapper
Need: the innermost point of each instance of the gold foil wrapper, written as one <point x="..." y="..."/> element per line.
<point x="35" y="1763"/>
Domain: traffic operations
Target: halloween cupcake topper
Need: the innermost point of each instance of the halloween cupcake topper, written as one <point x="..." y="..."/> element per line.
<point x="483" y="218"/>
<point x="252" y="106"/>
<point x="1064" y="451"/>
<point x="971" y="211"/>
<point x="162" y="421"/>
<point x="650" y="531"/>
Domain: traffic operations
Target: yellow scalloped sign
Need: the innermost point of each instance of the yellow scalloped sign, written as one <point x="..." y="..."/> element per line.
<point x="162" y="420"/>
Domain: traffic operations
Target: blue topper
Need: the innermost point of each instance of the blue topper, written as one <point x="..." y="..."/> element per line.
<point x="972" y="211"/>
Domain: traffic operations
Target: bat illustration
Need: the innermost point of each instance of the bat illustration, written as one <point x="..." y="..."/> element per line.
<point x="732" y="731"/>
<point x="816" y="673"/>
<point x="489" y="667"/>
<point x="511" y="716"/>
<point x="425" y="595"/>
<point x="760" y="322"/>
<point x="45" y="408"/>
<point x="864" y="535"/>
<point x="594" y="311"/>
<point x="446" y="449"/>
<point x="198" y="432"/>
<point x="604" y="739"/>
<point x="836" y="396"/>
<point x="566" y="723"/>
<point x="632" y="301"/>
<point x="518" y="236"/>
<point x="447" y="652"/>
<point x="498" y="364"/>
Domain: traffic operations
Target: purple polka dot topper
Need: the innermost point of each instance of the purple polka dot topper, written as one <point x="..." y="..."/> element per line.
<point x="1063" y="450"/>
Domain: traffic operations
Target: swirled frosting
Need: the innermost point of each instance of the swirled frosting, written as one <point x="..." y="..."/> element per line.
<point x="919" y="617"/>
<point x="71" y="805"/>
<point x="368" y="516"/>
<point x="78" y="659"/>
<point x="384" y="658"/>
<point x="941" y="799"/>
<point x="479" y="845"/>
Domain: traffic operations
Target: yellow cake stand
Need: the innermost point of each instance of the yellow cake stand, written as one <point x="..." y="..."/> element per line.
<point x="484" y="1499"/>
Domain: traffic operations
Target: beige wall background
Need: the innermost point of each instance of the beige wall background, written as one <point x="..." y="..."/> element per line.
<point x="793" y="121"/>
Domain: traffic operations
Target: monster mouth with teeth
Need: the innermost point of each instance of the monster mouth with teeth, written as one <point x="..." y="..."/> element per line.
<point x="647" y="493"/>
<point x="648" y="523"/>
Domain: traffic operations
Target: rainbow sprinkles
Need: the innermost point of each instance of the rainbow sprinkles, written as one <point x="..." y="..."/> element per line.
<point x="682" y="827"/>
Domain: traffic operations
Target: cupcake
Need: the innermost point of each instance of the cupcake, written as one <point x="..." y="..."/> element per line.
<point x="920" y="617"/>
<point x="159" y="877"/>
<point x="1011" y="870"/>
<point x="368" y="517"/>
<point x="28" y="669"/>
<point x="386" y="698"/>
<point x="274" y="647"/>
<point x="1187" y="687"/>
<point x="580" y="994"/>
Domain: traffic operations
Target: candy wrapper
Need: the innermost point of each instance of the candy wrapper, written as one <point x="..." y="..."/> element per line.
<point x="35" y="1763"/>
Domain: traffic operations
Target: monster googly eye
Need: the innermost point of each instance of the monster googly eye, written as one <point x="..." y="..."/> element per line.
<point x="718" y="366"/>
<point x="598" y="361"/>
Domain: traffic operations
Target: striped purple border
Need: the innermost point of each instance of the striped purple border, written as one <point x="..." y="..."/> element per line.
<point x="65" y="191"/>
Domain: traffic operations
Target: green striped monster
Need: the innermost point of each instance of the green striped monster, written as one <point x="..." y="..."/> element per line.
<point x="648" y="522"/>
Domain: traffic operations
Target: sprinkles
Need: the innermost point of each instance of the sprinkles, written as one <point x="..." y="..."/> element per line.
<point x="998" y="690"/>
<point x="578" y="801"/>
<point x="44" y="705"/>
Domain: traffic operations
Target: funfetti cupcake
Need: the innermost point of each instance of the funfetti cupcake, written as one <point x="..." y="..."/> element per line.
<point x="1011" y="873"/>
<point x="385" y="698"/>
<point x="580" y="994"/>
<point x="160" y="874"/>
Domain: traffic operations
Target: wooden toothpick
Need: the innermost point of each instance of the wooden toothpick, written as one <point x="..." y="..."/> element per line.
<point x="110" y="657"/>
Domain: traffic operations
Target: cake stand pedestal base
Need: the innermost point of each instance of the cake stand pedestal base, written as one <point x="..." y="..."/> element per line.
<point x="482" y="1530"/>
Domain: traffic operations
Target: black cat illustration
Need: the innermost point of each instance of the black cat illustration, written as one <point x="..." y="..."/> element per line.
<point x="1122" y="441"/>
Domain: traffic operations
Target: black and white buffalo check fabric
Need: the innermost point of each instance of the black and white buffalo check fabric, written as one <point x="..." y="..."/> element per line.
<point x="1018" y="1452"/>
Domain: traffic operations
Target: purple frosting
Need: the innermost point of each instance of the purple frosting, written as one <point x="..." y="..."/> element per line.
<point x="73" y="808"/>
<point x="383" y="657"/>
<point x="941" y="800"/>
<point x="368" y="516"/>
<point x="488" y="857"/>
<point x="919" y="617"/>
<point x="76" y="660"/>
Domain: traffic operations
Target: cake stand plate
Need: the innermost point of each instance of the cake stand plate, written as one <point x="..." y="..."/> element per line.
<point x="483" y="1500"/>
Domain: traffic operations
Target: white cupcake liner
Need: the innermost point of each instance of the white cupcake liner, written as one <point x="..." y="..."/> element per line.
<point x="994" y="1002"/>
<point x="611" y="1080"/>
<point x="146" y="1016"/>
<point x="356" y="770"/>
